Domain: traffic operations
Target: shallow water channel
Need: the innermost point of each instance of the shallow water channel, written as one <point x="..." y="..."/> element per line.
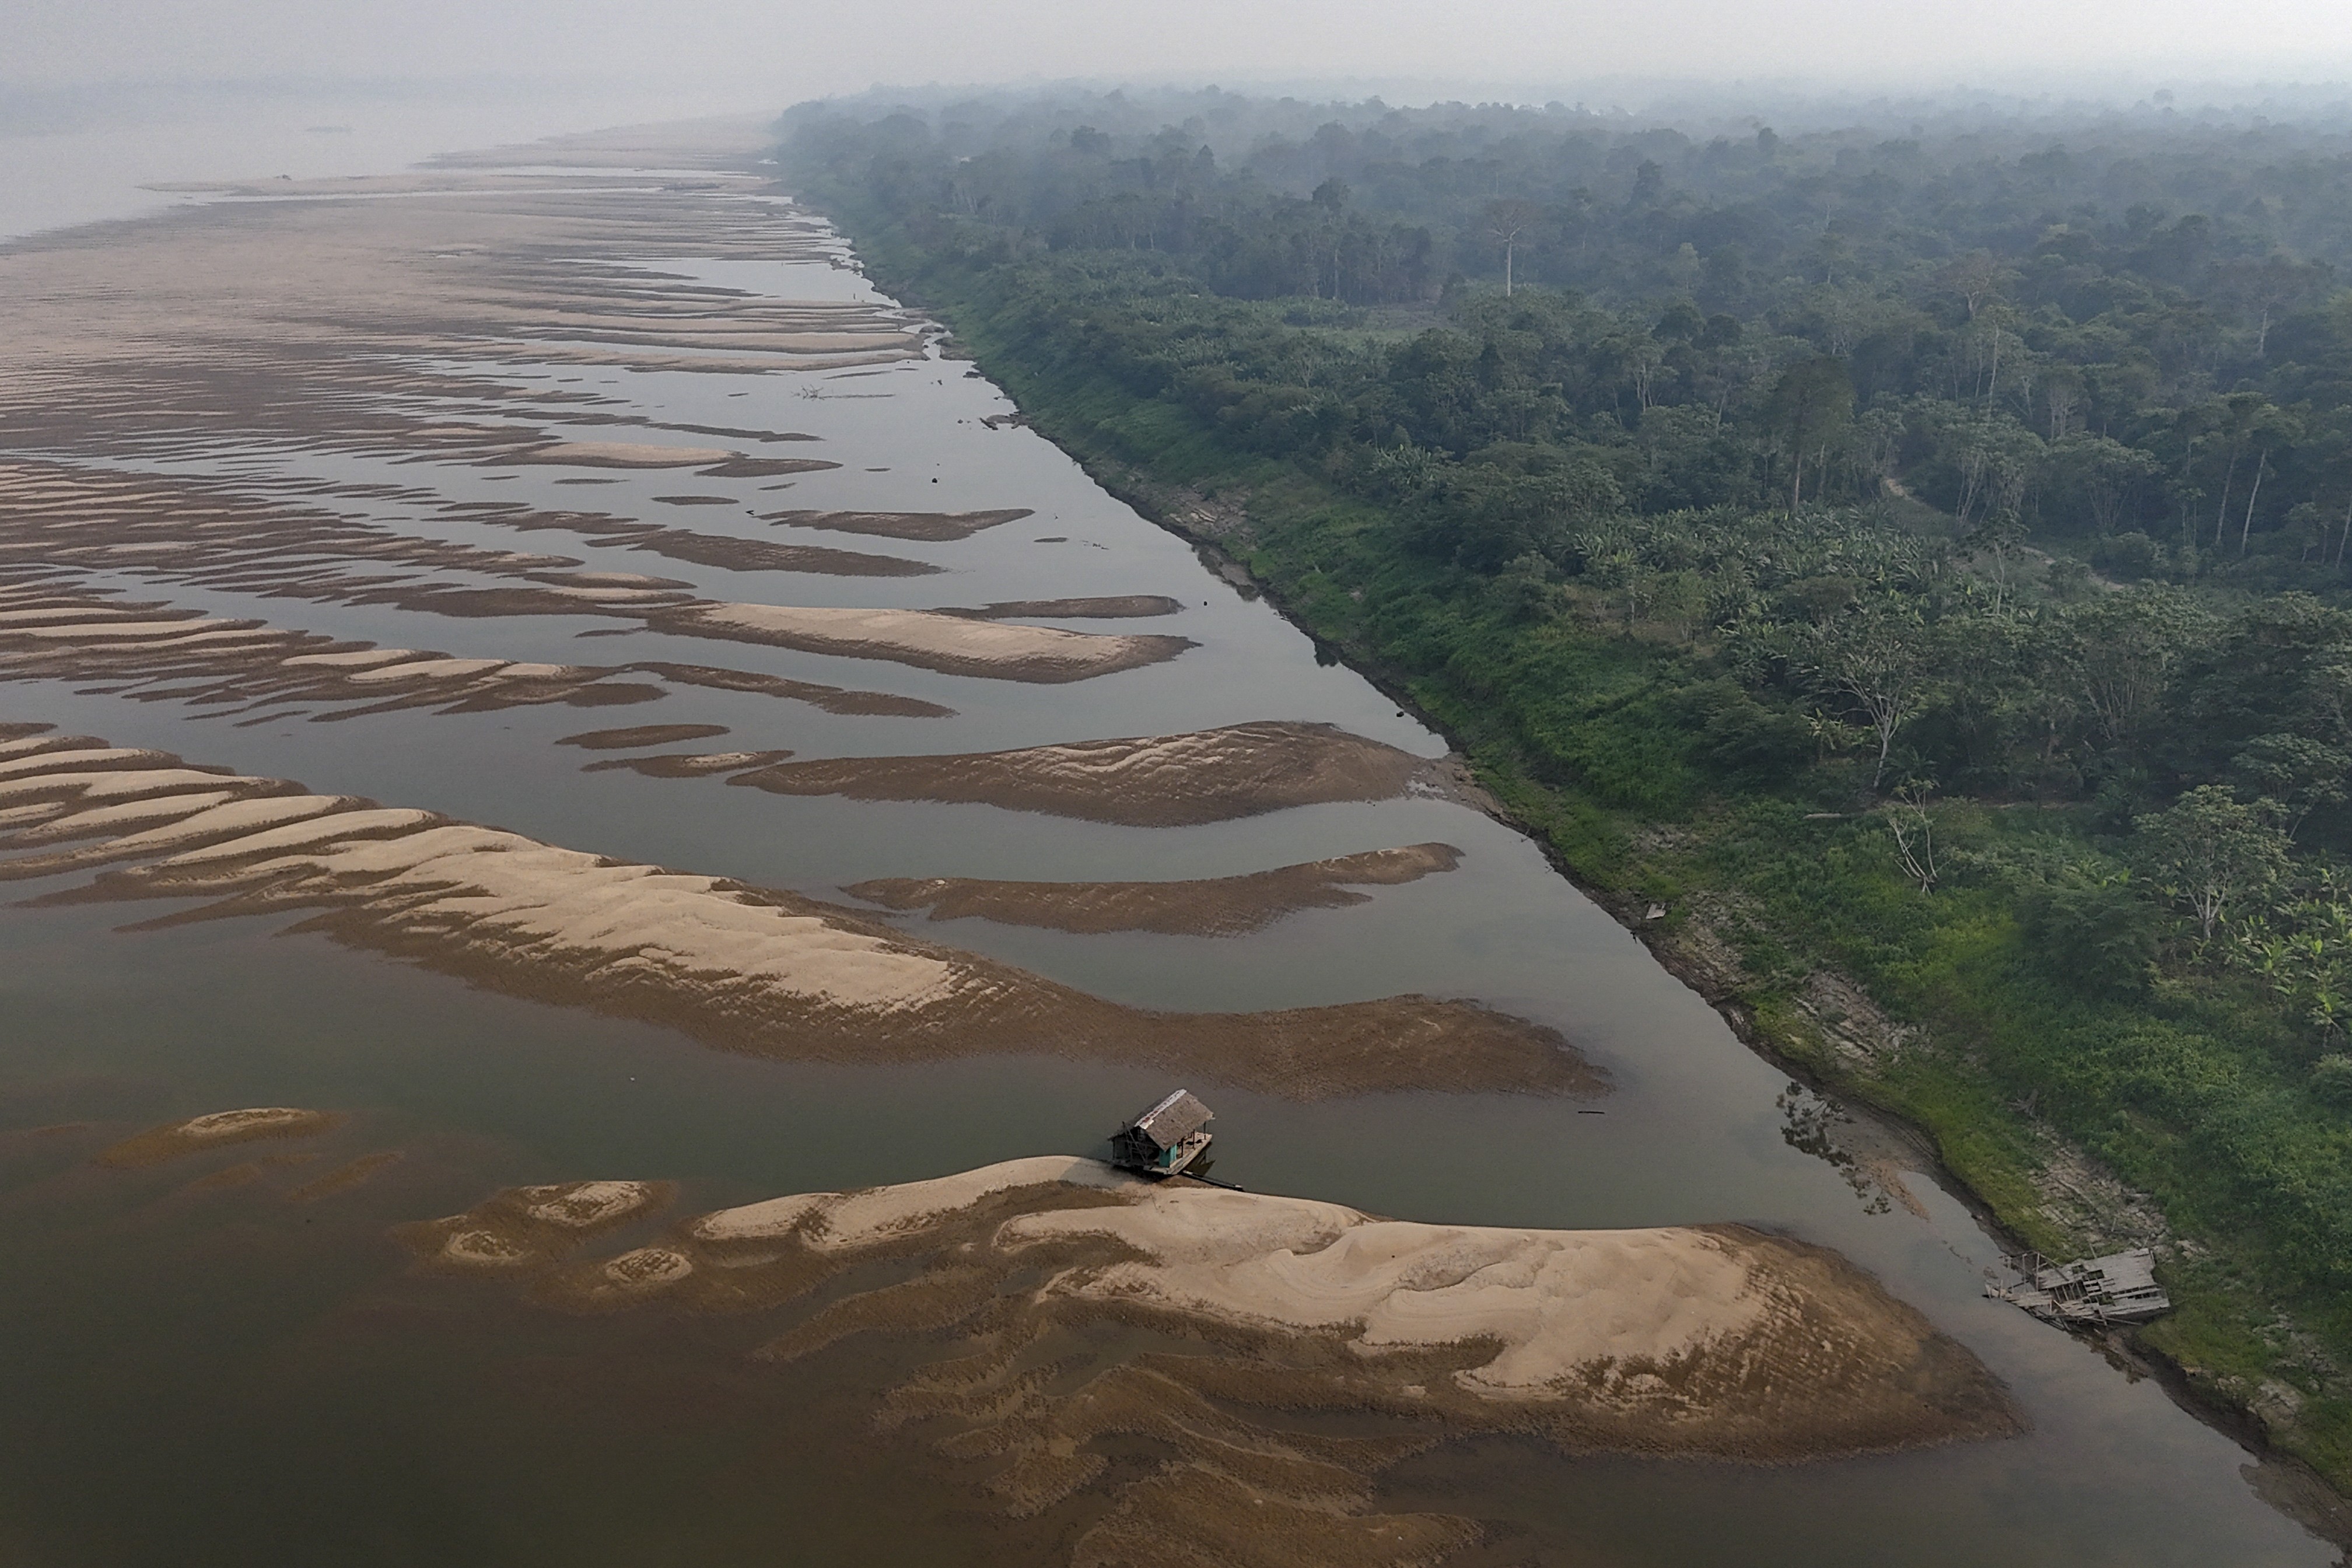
<point x="212" y="1374"/>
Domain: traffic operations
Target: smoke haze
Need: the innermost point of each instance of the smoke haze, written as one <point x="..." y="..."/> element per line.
<point x="740" y="54"/>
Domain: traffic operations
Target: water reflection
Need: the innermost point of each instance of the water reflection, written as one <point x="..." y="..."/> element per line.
<point x="1808" y="1123"/>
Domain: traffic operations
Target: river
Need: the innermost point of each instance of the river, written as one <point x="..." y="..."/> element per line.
<point x="201" y="1374"/>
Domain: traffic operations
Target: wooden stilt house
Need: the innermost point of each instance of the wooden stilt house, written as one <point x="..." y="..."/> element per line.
<point x="1165" y="1139"/>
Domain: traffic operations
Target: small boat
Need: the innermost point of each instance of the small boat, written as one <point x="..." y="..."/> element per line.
<point x="2120" y="1287"/>
<point x="1165" y="1139"/>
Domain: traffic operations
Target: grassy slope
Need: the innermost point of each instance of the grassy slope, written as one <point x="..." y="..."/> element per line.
<point x="1959" y="1034"/>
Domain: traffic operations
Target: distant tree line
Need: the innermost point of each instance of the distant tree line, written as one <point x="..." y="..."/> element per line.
<point x="2129" y="333"/>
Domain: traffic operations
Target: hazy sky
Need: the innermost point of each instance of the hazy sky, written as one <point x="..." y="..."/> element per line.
<point x="771" y="52"/>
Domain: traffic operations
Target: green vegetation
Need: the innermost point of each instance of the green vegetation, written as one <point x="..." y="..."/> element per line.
<point x="1917" y="559"/>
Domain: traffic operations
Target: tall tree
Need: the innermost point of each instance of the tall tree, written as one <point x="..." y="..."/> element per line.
<point x="2209" y="851"/>
<point x="1809" y="408"/>
<point x="1877" y="654"/>
<point x="2123" y="648"/>
<point x="2273" y="429"/>
<point x="1506" y="221"/>
<point x="2244" y="416"/>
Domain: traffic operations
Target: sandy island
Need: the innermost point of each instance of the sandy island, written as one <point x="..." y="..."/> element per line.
<point x="216" y="1130"/>
<point x="930" y="526"/>
<point x="1268" y="1357"/>
<point x="928" y="639"/>
<point x="1219" y="906"/>
<point x="53" y="516"/>
<point x="1160" y="781"/>
<point x="1113" y="607"/>
<point x="636" y="735"/>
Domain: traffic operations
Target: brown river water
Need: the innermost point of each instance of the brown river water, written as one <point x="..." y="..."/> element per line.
<point x="206" y="1361"/>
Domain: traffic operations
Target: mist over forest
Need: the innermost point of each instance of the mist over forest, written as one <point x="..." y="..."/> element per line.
<point x="2090" y="321"/>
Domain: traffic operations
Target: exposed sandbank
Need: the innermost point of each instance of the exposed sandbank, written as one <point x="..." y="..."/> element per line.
<point x="1269" y="1357"/>
<point x="240" y="664"/>
<point x="953" y="645"/>
<point x="214" y="318"/>
<point x="689" y="764"/>
<point x="637" y="736"/>
<point x="1220" y="906"/>
<point x="931" y="527"/>
<point x="605" y="532"/>
<point x="78" y="519"/>
<point x="1115" y="607"/>
<point x="1160" y="781"/>
<point x="763" y="555"/>
<point x="250" y="665"/>
<point x="216" y="1130"/>
<point x="523" y="1227"/>
<point x="831" y="699"/>
<point x="752" y="969"/>
<point x="715" y="462"/>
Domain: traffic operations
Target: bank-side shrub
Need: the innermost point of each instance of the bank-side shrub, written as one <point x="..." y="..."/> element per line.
<point x="2331" y="1081"/>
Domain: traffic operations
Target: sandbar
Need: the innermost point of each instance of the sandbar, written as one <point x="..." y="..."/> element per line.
<point x="951" y="645"/>
<point x="688" y="764"/>
<point x="527" y="1227"/>
<point x="752" y="969"/>
<point x="1220" y="906"/>
<point x="636" y="735"/>
<point x="1114" y="608"/>
<point x="1242" y="1367"/>
<point x="266" y="666"/>
<point x="931" y="527"/>
<point x="1160" y="781"/>
<point x="216" y="1130"/>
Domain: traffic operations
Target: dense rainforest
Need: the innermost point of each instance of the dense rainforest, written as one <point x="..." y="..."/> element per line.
<point x="1908" y="549"/>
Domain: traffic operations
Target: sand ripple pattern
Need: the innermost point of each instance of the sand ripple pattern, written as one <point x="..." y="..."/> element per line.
<point x="1160" y="781"/>
<point x="155" y="652"/>
<point x="746" y="967"/>
<point x="1708" y="1341"/>
<point x="331" y="313"/>
<point x="57" y="516"/>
